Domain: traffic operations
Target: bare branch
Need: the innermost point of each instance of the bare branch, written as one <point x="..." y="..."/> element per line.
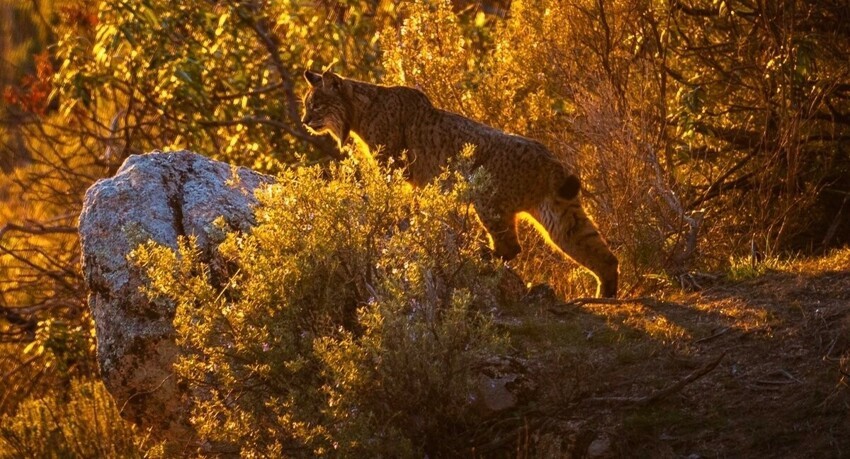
<point x="272" y="46"/>
<point x="665" y="392"/>
<point x="37" y="228"/>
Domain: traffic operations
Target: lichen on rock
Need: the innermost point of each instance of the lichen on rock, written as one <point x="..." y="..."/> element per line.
<point x="154" y="197"/>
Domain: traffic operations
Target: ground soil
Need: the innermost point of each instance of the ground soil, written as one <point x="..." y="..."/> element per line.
<point x="636" y="379"/>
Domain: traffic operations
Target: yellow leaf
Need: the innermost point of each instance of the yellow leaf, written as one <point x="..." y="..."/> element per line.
<point x="480" y="19"/>
<point x="32" y="346"/>
<point x="220" y="29"/>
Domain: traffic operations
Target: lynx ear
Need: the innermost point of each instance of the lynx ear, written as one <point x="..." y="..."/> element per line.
<point x="332" y="80"/>
<point x="337" y="84"/>
<point x="313" y="78"/>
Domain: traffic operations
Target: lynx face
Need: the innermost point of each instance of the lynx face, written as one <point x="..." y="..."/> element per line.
<point x="326" y="109"/>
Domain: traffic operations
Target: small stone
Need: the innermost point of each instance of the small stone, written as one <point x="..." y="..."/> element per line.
<point x="494" y="393"/>
<point x="600" y="447"/>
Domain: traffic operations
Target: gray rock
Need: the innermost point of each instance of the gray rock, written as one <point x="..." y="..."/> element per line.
<point x="502" y="384"/>
<point x="158" y="197"/>
<point x="494" y="393"/>
<point x="600" y="447"/>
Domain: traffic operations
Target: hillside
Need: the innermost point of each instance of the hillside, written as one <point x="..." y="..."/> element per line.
<point x="779" y="390"/>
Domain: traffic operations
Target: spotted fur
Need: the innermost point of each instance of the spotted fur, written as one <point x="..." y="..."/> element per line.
<point x="401" y="123"/>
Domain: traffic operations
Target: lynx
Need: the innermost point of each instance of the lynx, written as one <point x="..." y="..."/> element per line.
<point x="401" y="123"/>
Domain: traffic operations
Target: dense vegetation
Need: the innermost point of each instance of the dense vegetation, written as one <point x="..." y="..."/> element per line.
<point x="706" y="132"/>
<point x="348" y="325"/>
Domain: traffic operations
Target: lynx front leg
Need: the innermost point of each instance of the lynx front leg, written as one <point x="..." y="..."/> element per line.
<point x="572" y="231"/>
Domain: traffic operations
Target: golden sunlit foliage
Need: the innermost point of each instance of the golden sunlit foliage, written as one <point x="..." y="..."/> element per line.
<point x="338" y="305"/>
<point x="220" y="79"/>
<point x="709" y="136"/>
<point x="56" y="426"/>
<point x="668" y="144"/>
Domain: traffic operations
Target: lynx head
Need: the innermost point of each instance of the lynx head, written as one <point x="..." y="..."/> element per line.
<point x="327" y="105"/>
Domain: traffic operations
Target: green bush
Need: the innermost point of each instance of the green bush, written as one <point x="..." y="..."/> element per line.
<point x="350" y="322"/>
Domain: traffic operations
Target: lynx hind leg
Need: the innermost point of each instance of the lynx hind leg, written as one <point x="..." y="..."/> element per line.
<point x="572" y="231"/>
<point x="502" y="230"/>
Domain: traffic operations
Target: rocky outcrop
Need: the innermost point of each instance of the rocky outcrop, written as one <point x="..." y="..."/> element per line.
<point x="159" y="197"/>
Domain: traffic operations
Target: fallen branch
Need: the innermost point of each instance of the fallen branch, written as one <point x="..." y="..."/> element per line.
<point x="787" y="378"/>
<point x="709" y="338"/>
<point x="665" y="392"/>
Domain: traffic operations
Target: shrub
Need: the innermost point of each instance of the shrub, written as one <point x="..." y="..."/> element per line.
<point x="81" y="421"/>
<point x="350" y="322"/>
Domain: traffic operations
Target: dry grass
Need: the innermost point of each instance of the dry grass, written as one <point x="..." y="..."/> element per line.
<point x="780" y="391"/>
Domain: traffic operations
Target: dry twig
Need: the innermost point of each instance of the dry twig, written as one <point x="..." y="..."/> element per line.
<point x="721" y="332"/>
<point x="665" y="392"/>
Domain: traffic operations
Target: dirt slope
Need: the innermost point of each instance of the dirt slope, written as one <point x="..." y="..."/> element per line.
<point x="779" y="390"/>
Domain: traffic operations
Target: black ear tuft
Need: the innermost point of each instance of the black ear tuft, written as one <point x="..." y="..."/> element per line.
<point x="313" y="78"/>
